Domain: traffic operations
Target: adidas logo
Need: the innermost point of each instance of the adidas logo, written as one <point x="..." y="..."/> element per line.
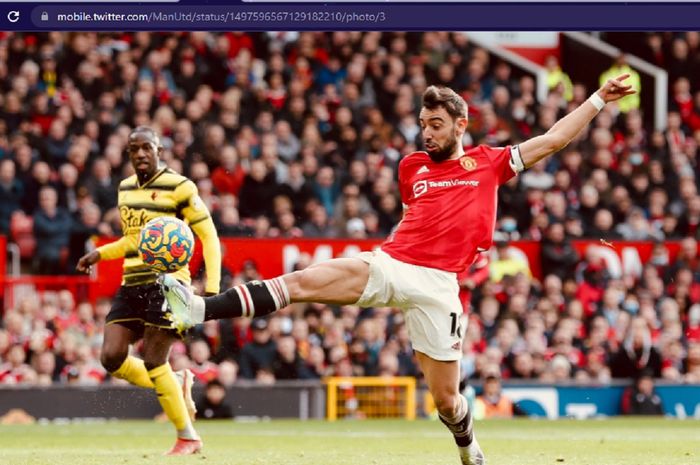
<point x="424" y="169"/>
<point x="457" y="345"/>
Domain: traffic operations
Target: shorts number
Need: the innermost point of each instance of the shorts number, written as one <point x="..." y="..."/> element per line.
<point x="455" y="327"/>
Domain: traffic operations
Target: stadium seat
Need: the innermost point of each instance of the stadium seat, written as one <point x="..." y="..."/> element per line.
<point x="22" y="233"/>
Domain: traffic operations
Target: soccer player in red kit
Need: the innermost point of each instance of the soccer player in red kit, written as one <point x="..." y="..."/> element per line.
<point x="449" y="201"/>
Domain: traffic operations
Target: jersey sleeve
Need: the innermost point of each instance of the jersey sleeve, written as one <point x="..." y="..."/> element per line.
<point x="211" y="249"/>
<point x="114" y="250"/>
<point x="404" y="188"/>
<point x="120" y="247"/>
<point x="191" y="207"/>
<point x="506" y="162"/>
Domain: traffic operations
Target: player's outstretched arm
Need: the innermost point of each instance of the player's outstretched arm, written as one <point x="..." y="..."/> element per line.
<point x="111" y="251"/>
<point x="87" y="260"/>
<point x="211" y="249"/>
<point x="197" y="215"/>
<point x="568" y="127"/>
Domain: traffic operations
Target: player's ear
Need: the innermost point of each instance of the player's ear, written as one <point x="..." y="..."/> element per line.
<point x="461" y="125"/>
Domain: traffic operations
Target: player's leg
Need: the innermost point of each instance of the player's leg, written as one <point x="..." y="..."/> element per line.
<point x="338" y="281"/>
<point x="124" y="326"/>
<point x="442" y="378"/>
<point x="436" y="329"/>
<point x="115" y="356"/>
<point x="156" y="348"/>
<point x="172" y="395"/>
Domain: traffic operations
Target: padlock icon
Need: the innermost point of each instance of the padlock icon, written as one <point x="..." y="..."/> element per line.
<point x="45" y="16"/>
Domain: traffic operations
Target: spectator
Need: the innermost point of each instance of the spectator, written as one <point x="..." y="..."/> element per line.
<point x="602" y="226"/>
<point x="228" y="373"/>
<point x="559" y="370"/>
<point x="688" y="257"/>
<point x="102" y="186"/>
<point x="228" y="223"/>
<point x="44" y="364"/>
<point x="523" y="366"/>
<point x="573" y="226"/>
<point x="693" y="331"/>
<point x="57" y="143"/>
<point x="11" y="192"/>
<point x="326" y="188"/>
<point x="288" y="144"/>
<point x="213" y="406"/>
<point x="15" y="370"/>
<point x="229" y="176"/>
<point x="39" y="177"/>
<point x="319" y="225"/>
<point x="257" y="192"/>
<point x="492" y="403"/>
<point x="558" y="255"/>
<point x="506" y="264"/>
<point x="68" y="189"/>
<point x="619" y="67"/>
<point x="689" y="224"/>
<point x="287" y="363"/>
<point x="642" y="399"/>
<point x="636" y="353"/>
<point x="83" y="229"/>
<point x="202" y="368"/>
<point x="692" y="363"/>
<point x="537" y="178"/>
<point x="52" y="227"/>
<point x="557" y="79"/>
<point x="258" y="354"/>
<point x="637" y="228"/>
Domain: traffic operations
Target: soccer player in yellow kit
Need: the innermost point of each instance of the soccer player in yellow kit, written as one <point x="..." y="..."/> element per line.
<point x="137" y="308"/>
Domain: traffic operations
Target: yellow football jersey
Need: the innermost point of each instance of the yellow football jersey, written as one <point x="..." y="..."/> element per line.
<point x="165" y="194"/>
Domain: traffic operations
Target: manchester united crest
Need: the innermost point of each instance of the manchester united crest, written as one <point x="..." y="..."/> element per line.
<point x="468" y="163"/>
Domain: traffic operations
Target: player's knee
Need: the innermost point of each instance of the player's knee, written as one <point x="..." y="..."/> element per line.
<point x="156" y="347"/>
<point x="111" y="361"/>
<point x="446" y="403"/>
<point x="153" y="357"/>
<point x="154" y="360"/>
<point x="152" y="364"/>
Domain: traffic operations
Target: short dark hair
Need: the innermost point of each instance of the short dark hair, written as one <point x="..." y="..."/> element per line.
<point x="215" y="383"/>
<point x="148" y="130"/>
<point x="438" y="96"/>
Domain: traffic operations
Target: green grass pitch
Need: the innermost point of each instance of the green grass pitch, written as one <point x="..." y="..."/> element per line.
<point x="386" y="442"/>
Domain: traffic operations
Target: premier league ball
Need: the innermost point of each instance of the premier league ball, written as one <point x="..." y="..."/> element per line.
<point x="166" y="244"/>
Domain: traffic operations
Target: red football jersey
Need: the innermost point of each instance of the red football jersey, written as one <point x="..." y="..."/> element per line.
<point x="451" y="210"/>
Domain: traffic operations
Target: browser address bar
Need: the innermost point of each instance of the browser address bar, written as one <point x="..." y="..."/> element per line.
<point x="385" y="15"/>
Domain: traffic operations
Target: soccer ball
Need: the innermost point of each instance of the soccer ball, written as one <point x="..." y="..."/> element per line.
<point x="166" y="244"/>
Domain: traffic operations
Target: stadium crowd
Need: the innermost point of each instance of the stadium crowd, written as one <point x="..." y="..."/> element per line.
<point x="299" y="135"/>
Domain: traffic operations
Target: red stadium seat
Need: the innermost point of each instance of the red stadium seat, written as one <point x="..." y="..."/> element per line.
<point x="22" y="233"/>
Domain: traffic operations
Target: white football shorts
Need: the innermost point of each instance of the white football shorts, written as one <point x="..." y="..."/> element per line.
<point x="429" y="298"/>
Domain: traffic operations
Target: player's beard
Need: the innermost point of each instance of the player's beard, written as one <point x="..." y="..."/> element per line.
<point x="144" y="175"/>
<point x="443" y="153"/>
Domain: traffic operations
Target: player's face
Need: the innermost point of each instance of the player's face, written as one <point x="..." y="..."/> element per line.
<point x="441" y="133"/>
<point x="143" y="153"/>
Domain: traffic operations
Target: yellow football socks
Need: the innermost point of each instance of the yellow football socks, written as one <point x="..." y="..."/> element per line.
<point x="171" y="400"/>
<point x="134" y="371"/>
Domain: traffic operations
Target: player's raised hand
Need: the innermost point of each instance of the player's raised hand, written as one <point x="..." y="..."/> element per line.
<point x="615" y="89"/>
<point x="87" y="260"/>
